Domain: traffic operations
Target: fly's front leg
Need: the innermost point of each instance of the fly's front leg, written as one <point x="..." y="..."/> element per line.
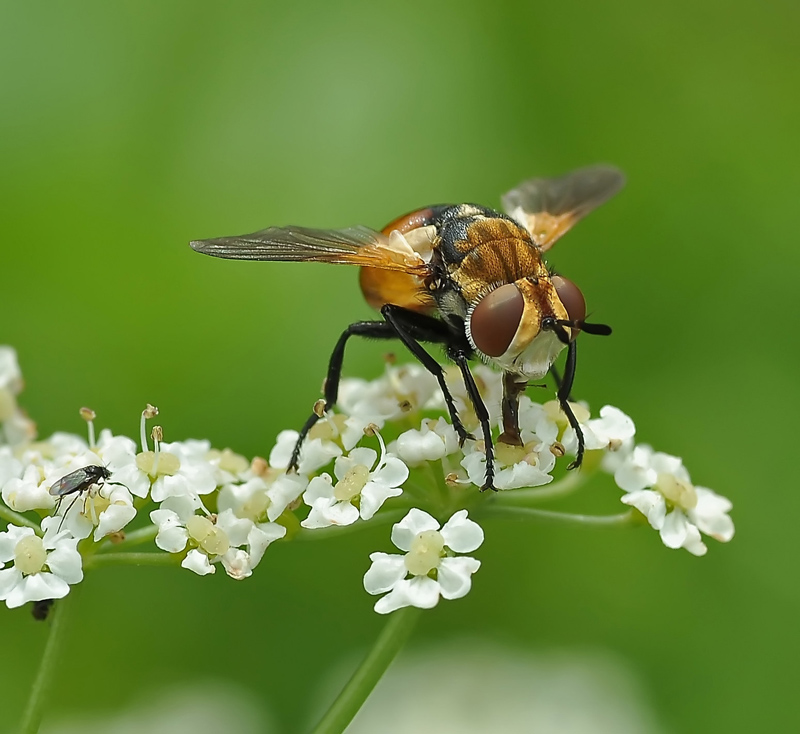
<point x="410" y="327"/>
<point x="460" y="358"/>
<point x="368" y="329"/>
<point x="563" y="396"/>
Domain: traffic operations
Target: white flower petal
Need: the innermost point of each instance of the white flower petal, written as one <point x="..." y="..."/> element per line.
<point x="417" y="447"/>
<point x="318" y="488"/>
<point x="9" y="539"/>
<point x="237" y="564"/>
<point x="455" y="576"/>
<point x="373" y="496"/>
<point x="650" y="504"/>
<point x="393" y="472"/>
<point x="113" y="519"/>
<point x="236" y="528"/>
<point x="420" y="591"/>
<point x="694" y="543"/>
<point x="341" y="513"/>
<point x="283" y="491"/>
<point x="184" y="506"/>
<point x="198" y="562"/>
<point x="137" y="482"/>
<point x="675" y="529"/>
<point x="410" y="526"/>
<point x="65" y="562"/>
<point x="10" y="578"/>
<point x="259" y="539"/>
<point x="36" y="587"/>
<point x="386" y="571"/>
<point x="28" y="493"/>
<point x="461" y="534"/>
<point x="710" y="515"/>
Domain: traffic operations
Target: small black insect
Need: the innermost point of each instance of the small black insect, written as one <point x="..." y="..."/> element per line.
<point x="78" y="481"/>
<point x="40" y="609"/>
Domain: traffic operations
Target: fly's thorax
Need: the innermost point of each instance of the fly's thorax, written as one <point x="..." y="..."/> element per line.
<point x="505" y="326"/>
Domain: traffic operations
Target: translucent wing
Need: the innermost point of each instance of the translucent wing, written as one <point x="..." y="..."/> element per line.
<point x="549" y="207"/>
<point x="352" y="246"/>
<point x="75" y="481"/>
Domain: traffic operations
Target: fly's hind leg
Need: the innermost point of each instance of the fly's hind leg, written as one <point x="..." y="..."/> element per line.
<point x="368" y="329"/>
<point x="411" y="328"/>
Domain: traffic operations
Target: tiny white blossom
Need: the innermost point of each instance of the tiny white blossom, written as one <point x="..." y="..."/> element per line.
<point x="106" y="510"/>
<point x="10" y="466"/>
<point x="612" y="430"/>
<point x="44" y="568"/>
<point x="515" y="466"/>
<point x="659" y="486"/>
<point x="429" y="569"/>
<point x="433" y="441"/>
<point x="198" y="562"/>
<point x="314" y="453"/>
<point x="29" y="492"/>
<point x="172" y="471"/>
<point x="218" y="538"/>
<point x="537" y="422"/>
<point x="402" y="389"/>
<point x="490" y="386"/>
<point x="359" y="492"/>
<point x="284" y="490"/>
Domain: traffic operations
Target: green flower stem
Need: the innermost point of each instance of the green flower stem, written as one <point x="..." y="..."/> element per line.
<point x="390" y="641"/>
<point x="563" y="487"/>
<point x="131" y="559"/>
<point x="15" y="518"/>
<point x="57" y="620"/>
<point x="530" y="513"/>
<point x="135" y="537"/>
<point x="388" y="517"/>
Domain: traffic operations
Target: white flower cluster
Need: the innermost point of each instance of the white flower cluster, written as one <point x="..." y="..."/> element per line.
<point x="211" y="508"/>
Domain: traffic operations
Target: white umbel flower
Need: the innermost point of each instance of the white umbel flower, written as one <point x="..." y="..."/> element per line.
<point x="359" y="491"/>
<point x="433" y="441"/>
<point x="429" y="569"/>
<point x="659" y="486"/>
<point x="44" y="568"/>
<point x="315" y="453"/>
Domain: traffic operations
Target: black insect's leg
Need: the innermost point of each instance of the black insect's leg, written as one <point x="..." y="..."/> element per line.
<point x="513" y="387"/>
<point x="563" y="398"/>
<point x="66" y="512"/>
<point x="409" y="327"/>
<point x="480" y="410"/>
<point x="369" y="329"/>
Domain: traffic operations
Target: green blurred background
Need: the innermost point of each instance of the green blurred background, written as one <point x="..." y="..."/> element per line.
<point x="129" y="128"/>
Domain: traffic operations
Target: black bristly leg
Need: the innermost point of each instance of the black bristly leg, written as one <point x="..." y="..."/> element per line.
<point x="411" y="326"/>
<point x="563" y="395"/>
<point x="368" y="329"/>
<point x="460" y="358"/>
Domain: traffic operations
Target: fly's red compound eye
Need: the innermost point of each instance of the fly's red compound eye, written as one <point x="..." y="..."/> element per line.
<point x="570" y="295"/>
<point x="495" y="320"/>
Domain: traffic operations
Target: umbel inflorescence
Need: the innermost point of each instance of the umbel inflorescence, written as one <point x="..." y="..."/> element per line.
<point x="387" y="455"/>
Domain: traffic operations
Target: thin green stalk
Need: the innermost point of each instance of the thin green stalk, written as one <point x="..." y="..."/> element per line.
<point x="563" y="487"/>
<point x="390" y="641"/>
<point x="387" y="517"/>
<point x="135" y="537"/>
<point x="57" y="619"/>
<point x="16" y="519"/>
<point x="131" y="559"/>
<point x="530" y="513"/>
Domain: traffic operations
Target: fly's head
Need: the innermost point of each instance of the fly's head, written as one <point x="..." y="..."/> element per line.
<point x="523" y="326"/>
